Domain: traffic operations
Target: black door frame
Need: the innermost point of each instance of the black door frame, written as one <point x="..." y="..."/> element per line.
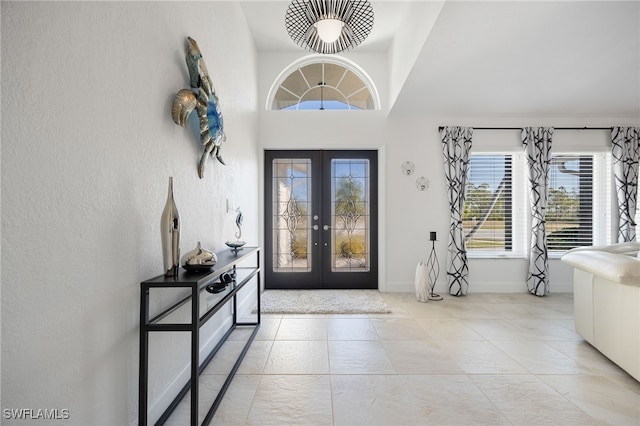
<point x="322" y="278"/>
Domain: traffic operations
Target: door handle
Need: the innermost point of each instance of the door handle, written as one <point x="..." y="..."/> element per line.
<point x="326" y="227"/>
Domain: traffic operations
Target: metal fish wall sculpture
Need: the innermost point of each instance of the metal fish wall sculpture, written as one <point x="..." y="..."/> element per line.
<point x="204" y="101"/>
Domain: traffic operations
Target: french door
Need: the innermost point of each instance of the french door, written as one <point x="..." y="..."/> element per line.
<point x="321" y="219"/>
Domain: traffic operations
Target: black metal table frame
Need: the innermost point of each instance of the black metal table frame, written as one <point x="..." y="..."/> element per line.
<point x="227" y="261"/>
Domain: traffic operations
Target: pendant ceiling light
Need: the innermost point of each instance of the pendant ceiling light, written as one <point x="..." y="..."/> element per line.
<point x="329" y="26"/>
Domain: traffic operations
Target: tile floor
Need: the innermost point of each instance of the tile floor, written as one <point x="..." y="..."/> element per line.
<point x="511" y="359"/>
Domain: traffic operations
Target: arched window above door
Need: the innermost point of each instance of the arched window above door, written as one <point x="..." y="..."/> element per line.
<point x="317" y="83"/>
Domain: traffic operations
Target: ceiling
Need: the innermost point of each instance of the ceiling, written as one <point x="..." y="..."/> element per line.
<point x="502" y="58"/>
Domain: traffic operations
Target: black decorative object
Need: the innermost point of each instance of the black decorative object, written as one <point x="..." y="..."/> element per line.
<point x="329" y="26"/>
<point x="434" y="267"/>
<point x="216" y="288"/>
<point x="219" y="287"/>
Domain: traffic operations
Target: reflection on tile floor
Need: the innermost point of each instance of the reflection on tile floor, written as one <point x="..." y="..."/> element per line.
<point x="490" y="359"/>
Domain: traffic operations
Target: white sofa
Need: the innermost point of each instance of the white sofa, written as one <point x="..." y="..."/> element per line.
<point x="606" y="294"/>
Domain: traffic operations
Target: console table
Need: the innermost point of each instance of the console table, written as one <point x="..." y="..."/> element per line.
<point x="197" y="282"/>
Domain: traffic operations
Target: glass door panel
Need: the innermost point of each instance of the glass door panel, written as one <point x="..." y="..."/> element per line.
<point x="291" y="207"/>
<point x="350" y="215"/>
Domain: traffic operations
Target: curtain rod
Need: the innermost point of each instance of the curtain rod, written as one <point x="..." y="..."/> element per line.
<point x="520" y="128"/>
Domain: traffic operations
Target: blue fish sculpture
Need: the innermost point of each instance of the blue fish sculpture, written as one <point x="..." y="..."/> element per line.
<point x="202" y="97"/>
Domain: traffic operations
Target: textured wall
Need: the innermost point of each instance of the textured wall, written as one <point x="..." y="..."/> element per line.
<point x="87" y="148"/>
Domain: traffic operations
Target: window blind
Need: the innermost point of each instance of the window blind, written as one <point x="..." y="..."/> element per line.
<point x="579" y="201"/>
<point x="494" y="217"/>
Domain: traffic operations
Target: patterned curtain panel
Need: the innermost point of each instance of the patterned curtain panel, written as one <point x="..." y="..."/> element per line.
<point x="537" y="147"/>
<point x="456" y="144"/>
<point x="625" y="156"/>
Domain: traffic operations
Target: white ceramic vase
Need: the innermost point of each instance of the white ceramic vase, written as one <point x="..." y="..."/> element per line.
<point x="422" y="282"/>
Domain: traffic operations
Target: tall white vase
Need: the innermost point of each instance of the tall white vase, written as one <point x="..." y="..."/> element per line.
<point x="422" y="282"/>
<point x="170" y="231"/>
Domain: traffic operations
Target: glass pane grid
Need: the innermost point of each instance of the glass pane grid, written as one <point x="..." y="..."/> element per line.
<point x="350" y="215"/>
<point x="291" y="232"/>
<point x="341" y="89"/>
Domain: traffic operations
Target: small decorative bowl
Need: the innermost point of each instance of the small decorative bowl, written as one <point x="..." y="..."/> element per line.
<point x="235" y="244"/>
<point x="198" y="259"/>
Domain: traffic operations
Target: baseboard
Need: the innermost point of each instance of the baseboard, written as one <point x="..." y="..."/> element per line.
<point x="246" y="303"/>
<point x="478" y="287"/>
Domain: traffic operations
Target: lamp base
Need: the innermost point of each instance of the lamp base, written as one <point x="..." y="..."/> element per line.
<point x="433" y="296"/>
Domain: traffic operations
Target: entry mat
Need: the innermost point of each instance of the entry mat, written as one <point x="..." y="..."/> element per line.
<point x="323" y="302"/>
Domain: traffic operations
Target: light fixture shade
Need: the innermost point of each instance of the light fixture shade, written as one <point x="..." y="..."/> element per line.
<point x="329" y="29"/>
<point x="306" y="21"/>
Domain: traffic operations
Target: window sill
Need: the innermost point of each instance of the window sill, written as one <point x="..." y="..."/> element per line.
<point x="557" y="254"/>
<point x="494" y="256"/>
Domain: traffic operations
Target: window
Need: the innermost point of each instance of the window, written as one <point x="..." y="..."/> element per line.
<point x="319" y="83"/>
<point x="496" y="217"/>
<point x="578" y="206"/>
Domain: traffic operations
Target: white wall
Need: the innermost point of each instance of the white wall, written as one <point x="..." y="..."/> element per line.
<point x="88" y="145"/>
<point x="409" y="41"/>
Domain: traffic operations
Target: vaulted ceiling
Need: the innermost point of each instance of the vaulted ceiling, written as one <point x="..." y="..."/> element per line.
<point x="501" y="58"/>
